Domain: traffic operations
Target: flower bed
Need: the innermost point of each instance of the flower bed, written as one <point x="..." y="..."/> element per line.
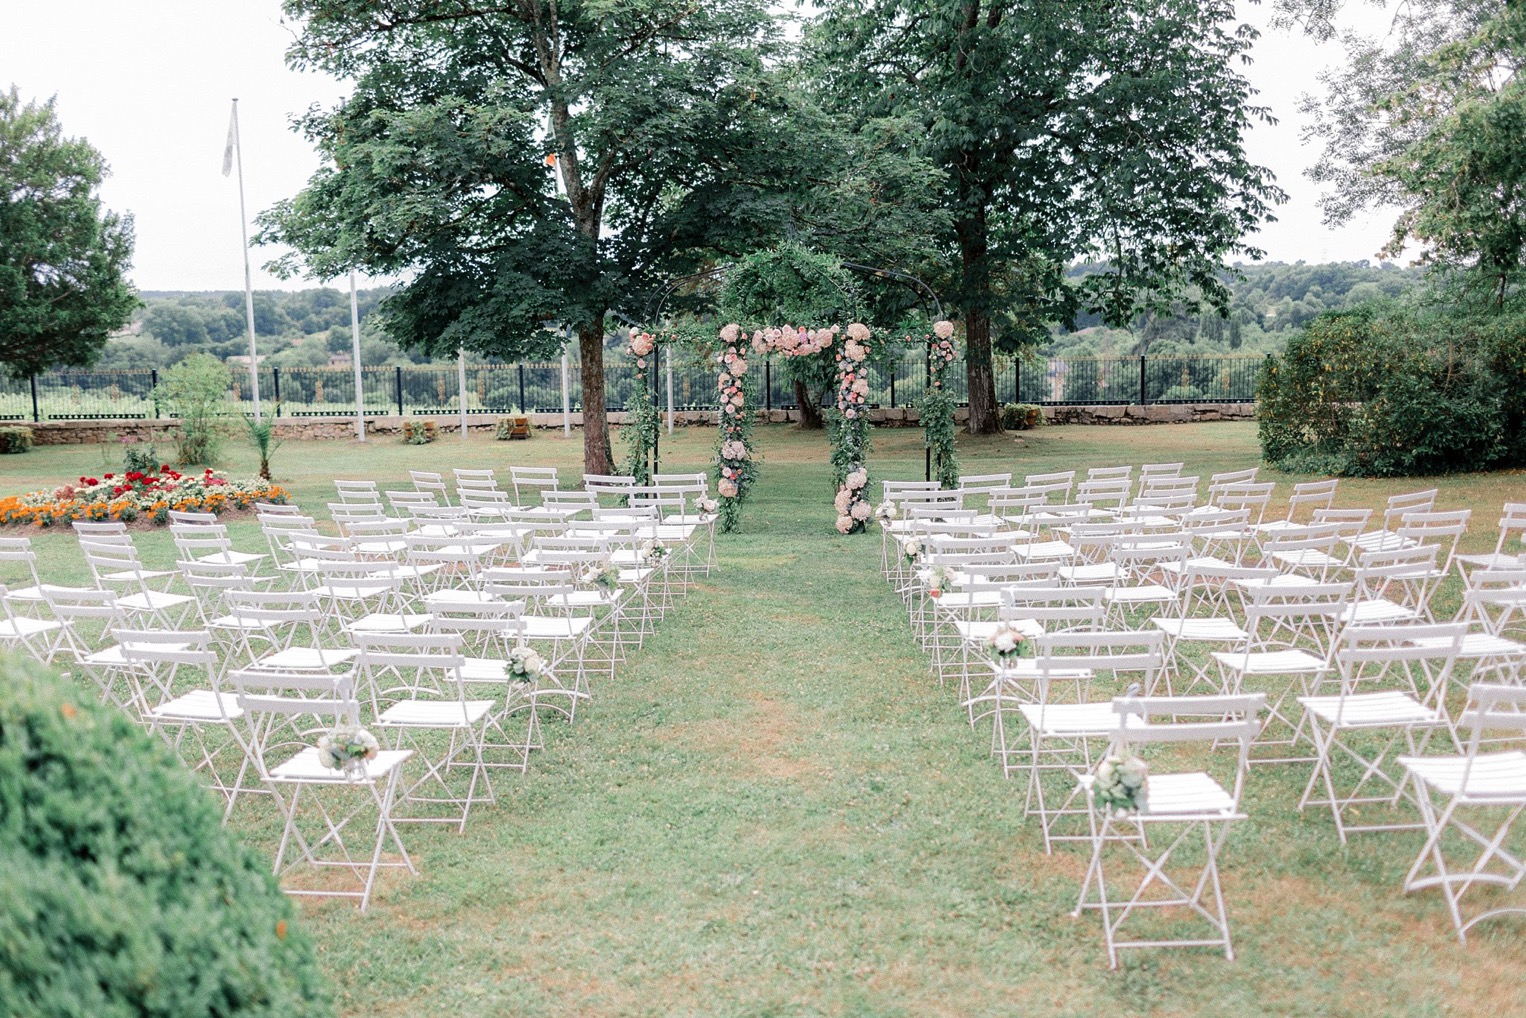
<point x="137" y="495"/>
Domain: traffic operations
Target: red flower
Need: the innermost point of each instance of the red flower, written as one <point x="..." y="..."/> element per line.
<point x="108" y="476"/>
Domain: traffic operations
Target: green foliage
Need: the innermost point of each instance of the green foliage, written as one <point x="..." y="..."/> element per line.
<point x="1065" y="131"/>
<point x="1381" y="390"/>
<point x="262" y="436"/>
<point x="1429" y="118"/>
<point x="642" y="419"/>
<point x="196" y="392"/>
<point x="123" y="893"/>
<point x="140" y="458"/>
<point x="1022" y="416"/>
<point x="63" y="258"/>
<point x="15" y="438"/>
<point x="516" y="161"/>
<point x="419" y="431"/>
<point x="790" y="285"/>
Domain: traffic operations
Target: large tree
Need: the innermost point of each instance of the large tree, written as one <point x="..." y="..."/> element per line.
<point x="516" y="157"/>
<point x="1067" y="130"/>
<point x="1430" y="118"/>
<point x="63" y="257"/>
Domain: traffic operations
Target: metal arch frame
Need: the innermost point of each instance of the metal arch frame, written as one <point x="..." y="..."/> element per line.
<point x="904" y="277"/>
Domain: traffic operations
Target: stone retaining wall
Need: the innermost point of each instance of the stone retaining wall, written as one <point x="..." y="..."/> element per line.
<point x="332" y="428"/>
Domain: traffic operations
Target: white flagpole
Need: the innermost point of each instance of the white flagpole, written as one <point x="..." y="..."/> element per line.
<point x="461" y="368"/>
<point x="668" y="352"/>
<point x="243" y="226"/>
<point x="360" y="402"/>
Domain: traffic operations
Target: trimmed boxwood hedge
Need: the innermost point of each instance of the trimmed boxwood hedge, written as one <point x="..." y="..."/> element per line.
<point x="121" y="893"/>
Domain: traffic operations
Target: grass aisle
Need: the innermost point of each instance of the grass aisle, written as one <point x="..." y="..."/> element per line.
<point x="773" y="809"/>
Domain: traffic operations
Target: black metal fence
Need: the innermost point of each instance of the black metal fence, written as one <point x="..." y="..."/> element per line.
<point x="538" y="386"/>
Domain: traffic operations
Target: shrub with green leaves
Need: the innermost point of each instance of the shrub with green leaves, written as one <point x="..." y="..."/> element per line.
<point x="1022" y="416"/>
<point x="15" y="439"/>
<point x="417" y="431"/>
<point x="140" y="458"/>
<point x="121" y="893"/>
<point x="196" y="392"/>
<point x="1378" y="391"/>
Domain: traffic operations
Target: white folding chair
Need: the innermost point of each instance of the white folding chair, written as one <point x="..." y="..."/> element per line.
<point x="286" y="714"/>
<point x="1180" y="806"/>
<point x="419" y="700"/>
<point x="1469" y="803"/>
<point x="1391" y="684"/>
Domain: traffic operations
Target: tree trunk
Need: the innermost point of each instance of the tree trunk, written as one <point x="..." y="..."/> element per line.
<point x="810" y="414"/>
<point x="974" y="253"/>
<point x="596" y="453"/>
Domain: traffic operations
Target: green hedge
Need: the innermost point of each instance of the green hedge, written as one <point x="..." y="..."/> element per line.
<point x="121" y="894"/>
<point x="1377" y="390"/>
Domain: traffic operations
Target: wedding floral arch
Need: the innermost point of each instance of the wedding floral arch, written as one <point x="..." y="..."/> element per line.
<point x="642" y="418"/>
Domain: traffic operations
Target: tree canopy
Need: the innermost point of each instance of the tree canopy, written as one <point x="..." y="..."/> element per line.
<point x="1430" y="119"/>
<point x="519" y="159"/>
<point x="63" y="258"/>
<point x="1064" y="131"/>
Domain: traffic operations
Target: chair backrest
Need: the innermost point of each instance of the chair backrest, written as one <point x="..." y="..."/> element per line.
<point x="1206" y="720"/>
<point x="153" y="647"/>
<point x="1423" y="656"/>
<point x="1254" y="496"/>
<point x="1309" y="496"/>
<point x="1441" y="528"/>
<point x="85" y="528"/>
<point x="1114" y="491"/>
<point x="1057" y="486"/>
<point x="71" y="604"/>
<point x="1149" y="471"/>
<point x="264" y="509"/>
<point x="1400" y="506"/>
<point x="535" y="481"/>
<point x="1491" y="708"/>
<point x="288" y="711"/>
<point x="430" y="482"/>
<point x="1059" y="608"/>
<point x="1084" y="657"/>
<point x="1228" y="477"/>
<point x="1124" y="472"/>
<point x="357" y="491"/>
<point x="181" y="518"/>
<point x="19" y="549"/>
<point x="983" y="484"/>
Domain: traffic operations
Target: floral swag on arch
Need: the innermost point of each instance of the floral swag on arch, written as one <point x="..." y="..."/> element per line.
<point x="849" y="424"/>
<point x="642" y="419"/>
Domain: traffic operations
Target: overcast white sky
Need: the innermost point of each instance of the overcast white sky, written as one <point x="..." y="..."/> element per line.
<point x="149" y="83"/>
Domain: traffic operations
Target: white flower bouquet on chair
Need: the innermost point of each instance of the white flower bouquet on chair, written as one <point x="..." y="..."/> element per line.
<point x="654" y="551"/>
<point x="1008" y="645"/>
<point x="347" y="749"/>
<point x="1122" y="784"/>
<point x="526" y="667"/>
<point x="602" y="576"/>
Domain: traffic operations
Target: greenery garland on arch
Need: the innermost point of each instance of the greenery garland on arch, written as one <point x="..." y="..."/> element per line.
<point x="936" y="407"/>
<point x="642" y="418"/>
<point x="735" y="470"/>
<point x="849" y="429"/>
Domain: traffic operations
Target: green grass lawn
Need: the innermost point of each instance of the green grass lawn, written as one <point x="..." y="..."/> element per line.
<point x="774" y="809"/>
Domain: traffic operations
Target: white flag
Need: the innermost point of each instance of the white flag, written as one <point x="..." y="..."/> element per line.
<point x="232" y="140"/>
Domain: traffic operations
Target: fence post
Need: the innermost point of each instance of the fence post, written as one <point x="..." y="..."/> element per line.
<point x="399" y="369"/>
<point x="36" y="417"/>
<point x="275" y="375"/>
<point x="522" y="408"/>
<point x="892" y="385"/>
<point x="153" y="381"/>
<point x="1142" y="395"/>
<point x="1017" y="378"/>
<point x="768" y="384"/>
